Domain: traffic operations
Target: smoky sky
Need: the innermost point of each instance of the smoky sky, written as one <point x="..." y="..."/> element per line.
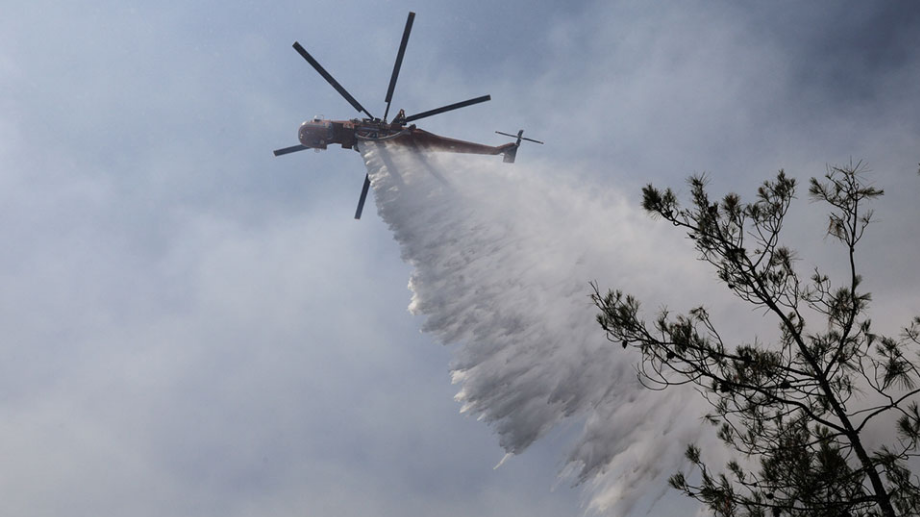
<point x="192" y="326"/>
<point x="839" y="55"/>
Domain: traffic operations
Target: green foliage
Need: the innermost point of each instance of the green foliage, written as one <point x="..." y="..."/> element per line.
<point x="796" y="410"/>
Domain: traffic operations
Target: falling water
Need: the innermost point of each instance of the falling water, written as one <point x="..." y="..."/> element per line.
<point x="502" y="258"/>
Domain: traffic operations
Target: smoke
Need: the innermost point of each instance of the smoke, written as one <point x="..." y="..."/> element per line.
<point x="502" y="257"/>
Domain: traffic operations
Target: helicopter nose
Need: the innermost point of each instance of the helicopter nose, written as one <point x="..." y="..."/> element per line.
<point x="313" y="135"/>
<point x="303" y="134"/>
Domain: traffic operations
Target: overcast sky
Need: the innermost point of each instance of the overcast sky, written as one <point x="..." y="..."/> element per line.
<point x="194" y="327"/>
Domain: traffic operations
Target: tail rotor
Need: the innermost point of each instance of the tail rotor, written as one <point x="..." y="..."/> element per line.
<point x="511" y="152"/>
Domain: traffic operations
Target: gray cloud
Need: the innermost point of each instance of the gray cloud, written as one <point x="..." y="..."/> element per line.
<point x="191" y="326"/>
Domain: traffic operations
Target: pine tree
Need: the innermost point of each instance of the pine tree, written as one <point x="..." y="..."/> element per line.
<point x="796" y="410"/>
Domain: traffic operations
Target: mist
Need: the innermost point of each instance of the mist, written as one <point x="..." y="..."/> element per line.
<point x="502" y="257"/>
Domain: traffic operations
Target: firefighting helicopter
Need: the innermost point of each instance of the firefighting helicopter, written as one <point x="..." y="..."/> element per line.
<point x="318" y="132"/>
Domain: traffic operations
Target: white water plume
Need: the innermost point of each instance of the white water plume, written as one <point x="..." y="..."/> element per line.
<point x="502" y="258"/>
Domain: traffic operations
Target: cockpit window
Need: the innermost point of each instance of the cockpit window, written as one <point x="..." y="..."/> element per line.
<point x="317" y="133"/>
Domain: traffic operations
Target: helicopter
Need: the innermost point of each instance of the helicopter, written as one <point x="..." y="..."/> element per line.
<point x="318" y="133"/>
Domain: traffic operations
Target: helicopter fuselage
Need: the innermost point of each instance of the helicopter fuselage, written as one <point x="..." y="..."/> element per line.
<point x="319" y="133"/>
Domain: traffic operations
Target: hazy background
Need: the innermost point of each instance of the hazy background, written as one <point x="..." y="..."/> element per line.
<point x="194" y="327"/>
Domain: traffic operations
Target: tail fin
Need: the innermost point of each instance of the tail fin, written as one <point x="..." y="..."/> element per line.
<point x="511" y="152"/>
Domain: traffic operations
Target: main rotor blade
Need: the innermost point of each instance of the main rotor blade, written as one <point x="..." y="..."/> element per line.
<point x="398" y="64"/>
<point x="322" y="71"/>
<point x="450" y="107"/>
<point x="287" y="150"/>
<point x="367" y="184"/>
